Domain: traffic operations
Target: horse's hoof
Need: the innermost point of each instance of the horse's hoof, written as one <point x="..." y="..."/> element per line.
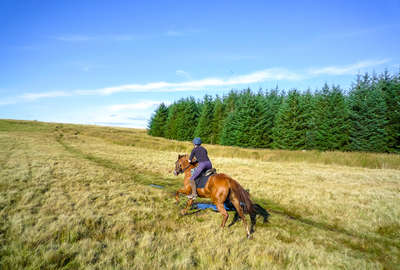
<point x="183" y="212"/>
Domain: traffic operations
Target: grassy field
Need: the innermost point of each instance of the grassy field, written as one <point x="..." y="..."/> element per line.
<point x="78" y="197"/>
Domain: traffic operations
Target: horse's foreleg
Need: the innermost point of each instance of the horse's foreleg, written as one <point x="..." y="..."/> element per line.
<point x="189" y="204"/>
<point x="221" y="209"/>
<point x="181" y="191"/>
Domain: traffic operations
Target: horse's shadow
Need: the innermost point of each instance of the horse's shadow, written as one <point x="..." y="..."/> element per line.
<point x="259" y="210"/>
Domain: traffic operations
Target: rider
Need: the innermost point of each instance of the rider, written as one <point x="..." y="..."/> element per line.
<point x="204" y="164"/>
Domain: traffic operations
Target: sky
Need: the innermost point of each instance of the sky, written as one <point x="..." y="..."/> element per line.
<point x="113" y="62"/>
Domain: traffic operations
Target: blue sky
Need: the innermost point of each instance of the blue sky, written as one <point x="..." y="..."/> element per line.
<point x="112" y="62"/>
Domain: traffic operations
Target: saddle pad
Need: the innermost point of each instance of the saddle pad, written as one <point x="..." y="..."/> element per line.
<point x="201" y="181"/>
<point x="203" y="206"/>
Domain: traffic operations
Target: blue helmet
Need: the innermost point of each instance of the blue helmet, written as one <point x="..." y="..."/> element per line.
<point x="197" y="141"/>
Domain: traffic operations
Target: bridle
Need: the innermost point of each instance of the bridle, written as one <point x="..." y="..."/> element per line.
<point x="182" y="170"/>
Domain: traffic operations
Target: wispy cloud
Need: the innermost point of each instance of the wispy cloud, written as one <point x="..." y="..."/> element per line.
<point x="143" y="105"/>
<point x="348" y="69"/>
<point x="7" y="102"/>
<point x="182" y="32"/>
<point x="128" y="115"/>
<point x="86" y="38"/>
<point x="184" y="74"/>
<point x="255" y="77"/>
<point x="74" y="38"/>
<point x="52" y="94"/>
<point x="272" y="74"/>
<point x="173" y="33"/>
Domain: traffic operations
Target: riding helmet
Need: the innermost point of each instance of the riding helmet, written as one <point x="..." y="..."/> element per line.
<point x="197" y="141"/>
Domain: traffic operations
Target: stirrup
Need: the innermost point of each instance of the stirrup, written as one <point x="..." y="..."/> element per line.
<point x="192" y="197"/>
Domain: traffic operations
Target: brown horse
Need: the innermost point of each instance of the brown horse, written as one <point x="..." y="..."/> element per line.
<point x="219" y="188"/>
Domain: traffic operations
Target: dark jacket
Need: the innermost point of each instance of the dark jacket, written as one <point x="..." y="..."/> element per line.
<point x="200" y="153"/>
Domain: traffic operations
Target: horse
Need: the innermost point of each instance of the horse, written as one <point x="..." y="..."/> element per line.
<point x="219" y="188"/>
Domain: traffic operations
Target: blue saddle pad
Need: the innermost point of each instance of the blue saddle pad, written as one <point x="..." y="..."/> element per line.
<point x="201" y="181"/>
<point x="203" y="206"/>
<point x="227" y="204"/>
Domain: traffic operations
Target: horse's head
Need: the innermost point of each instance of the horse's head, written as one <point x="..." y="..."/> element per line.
<point x="181" y="164"/>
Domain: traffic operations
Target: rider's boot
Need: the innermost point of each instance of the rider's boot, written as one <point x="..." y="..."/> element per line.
<point x="193" y="196"/>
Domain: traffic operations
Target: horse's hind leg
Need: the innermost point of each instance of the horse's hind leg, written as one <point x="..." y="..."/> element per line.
<point x="235" y="219"/>
<point x="221" y="209"/>
<point x="239" y="210"/>
<point x="253" y="221"/>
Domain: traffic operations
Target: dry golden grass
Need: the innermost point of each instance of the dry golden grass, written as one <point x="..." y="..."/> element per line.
<point x="79" y="197"/>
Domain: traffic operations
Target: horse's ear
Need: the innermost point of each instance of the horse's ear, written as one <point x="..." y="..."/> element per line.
<point x="179" y="156"/>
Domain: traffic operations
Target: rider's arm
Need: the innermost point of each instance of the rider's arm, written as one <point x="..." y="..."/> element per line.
<point x="191" y="155"/>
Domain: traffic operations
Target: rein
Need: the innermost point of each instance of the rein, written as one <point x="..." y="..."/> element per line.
<point x="186" y="168"/>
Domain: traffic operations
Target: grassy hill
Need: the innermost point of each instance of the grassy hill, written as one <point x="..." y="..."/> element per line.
<point x="74" y="196"/>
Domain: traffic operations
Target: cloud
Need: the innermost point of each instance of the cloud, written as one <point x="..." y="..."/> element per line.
<point x="7" y="102"/>
<point x="75" y="38"/>
<point x="347" y="70"/>
<point x="34" y="96"/>
<point x="86" y="38"/>
<point x="143" y="105"/>
<point x="173" y="33"/>
<point x="135" y="115"/>
<point x="272" y="74"/>
<point x="184" y="74"/>
<point x="181" y="33"/>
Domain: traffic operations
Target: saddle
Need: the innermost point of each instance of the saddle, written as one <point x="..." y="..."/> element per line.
<point x="202" y="180"/>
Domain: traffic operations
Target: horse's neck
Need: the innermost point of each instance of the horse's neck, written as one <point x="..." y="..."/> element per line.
<point x="188" y="172"/>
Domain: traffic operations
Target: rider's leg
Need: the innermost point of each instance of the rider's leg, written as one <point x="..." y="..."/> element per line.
<point x="194" y="192"/>
<point x="197" y="171"/>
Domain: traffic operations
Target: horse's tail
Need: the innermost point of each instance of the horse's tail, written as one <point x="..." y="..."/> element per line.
<point x="243" y="196"/>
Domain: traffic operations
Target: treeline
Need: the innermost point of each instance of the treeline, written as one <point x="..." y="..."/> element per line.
<point x="364" y="118"/>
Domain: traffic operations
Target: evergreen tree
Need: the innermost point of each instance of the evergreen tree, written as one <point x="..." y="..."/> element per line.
<point x="292" y="123"/>
<point x="390" y="86"/>
<point x="217" y="123"/>
<point x="187" y="119"/>
<point x="249" y="123"/>
<point x="368" y="116"/>
<point x="204" y="128"/>
<point x="331" y="120"/>
<point x="268" y="108"/>
<point x="174" y="110"/>
<point x="158" y="121"/>
<point x="307" y="118"/>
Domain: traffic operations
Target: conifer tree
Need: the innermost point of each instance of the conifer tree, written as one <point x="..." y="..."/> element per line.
<point x="204" y="128"/>
<point x="158" y="121"/>
<point x="390" y="86"/>
<point x="291" y="123"/>
<point x="368" y="116"/>
<point x="187" y="119"/>
<point x="268" y="107"/>
<point x="171" y="131"/>
<point x="331" y="120"/>
<point x="217" y="123"/>
<point x="247" y="125"/>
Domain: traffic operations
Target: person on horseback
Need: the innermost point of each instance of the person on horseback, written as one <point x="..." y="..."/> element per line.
<point x="204" y="164"/>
